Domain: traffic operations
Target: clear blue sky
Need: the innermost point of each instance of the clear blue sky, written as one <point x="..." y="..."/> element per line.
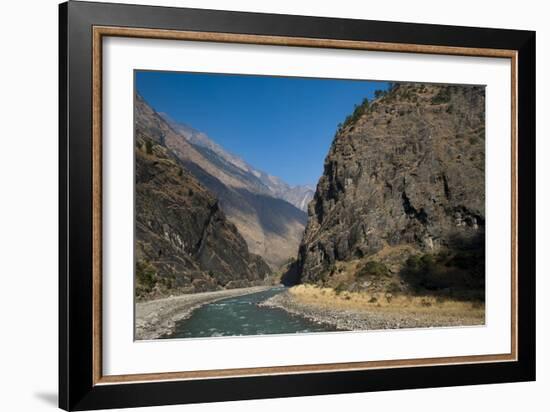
<point x="281" y="125"/>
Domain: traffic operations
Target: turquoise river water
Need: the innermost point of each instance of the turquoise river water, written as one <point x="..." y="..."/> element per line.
<point x="240" y="315"/>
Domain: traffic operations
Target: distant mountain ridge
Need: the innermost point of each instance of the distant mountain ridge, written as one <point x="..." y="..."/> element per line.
<point x="271" y="226"/>
<point x="299" y="195"/>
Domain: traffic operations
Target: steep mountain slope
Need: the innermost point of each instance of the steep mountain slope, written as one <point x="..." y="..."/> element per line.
<point x="271" y="226"/>
<point x="261" y="182"/>
<point x="403" y="180"/>
<point x="184" y="243"/>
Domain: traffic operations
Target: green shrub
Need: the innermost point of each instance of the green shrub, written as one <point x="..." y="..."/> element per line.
<point x="149" y="146"/>
<point x="373" y="268"/>
<point x="460" y="274"/>
<point x="407" y="95"/>
<point x="428" y="261"/>
<point x="146" y="278"/>
<point x="340" y="288"/>
<point x="394" y="288"/>
<point x="423" y="273"/>
<point x="379" y="93"/>
<point x="358" y="111"/>
<point x="472" y="261"/>
<point x="414" y="263"/>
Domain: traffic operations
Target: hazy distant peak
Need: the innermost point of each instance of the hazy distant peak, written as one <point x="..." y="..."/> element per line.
<point x="298" y="196"/>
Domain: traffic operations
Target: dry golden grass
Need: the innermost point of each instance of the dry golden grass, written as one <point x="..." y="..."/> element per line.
<point x="379" y="302"/>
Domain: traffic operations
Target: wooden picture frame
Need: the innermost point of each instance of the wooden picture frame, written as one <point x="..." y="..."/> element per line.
<point x="82" y="384"/>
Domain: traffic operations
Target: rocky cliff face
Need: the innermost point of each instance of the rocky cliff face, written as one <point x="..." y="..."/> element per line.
<point x="271" y="226"/>
<point x="184" y="242"/>
<point x="404" y="173"/>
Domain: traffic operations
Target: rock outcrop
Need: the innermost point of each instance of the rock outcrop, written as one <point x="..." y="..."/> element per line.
<point x="405" y="170"/>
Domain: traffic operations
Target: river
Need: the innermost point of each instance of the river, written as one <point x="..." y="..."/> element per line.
<point x="240" y="316"/>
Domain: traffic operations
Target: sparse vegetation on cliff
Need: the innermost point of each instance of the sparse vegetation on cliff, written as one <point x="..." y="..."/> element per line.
<point x="401" y="203"/>
<point x="358" y="111"/>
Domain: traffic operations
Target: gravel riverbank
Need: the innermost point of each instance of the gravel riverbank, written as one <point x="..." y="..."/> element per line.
<point x="158" y="317"/>
<point x="363" y="319"/>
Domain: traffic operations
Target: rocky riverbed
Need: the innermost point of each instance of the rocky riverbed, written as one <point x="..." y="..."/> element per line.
<point x="365" y="319"/>
<point x="158" y="317"/>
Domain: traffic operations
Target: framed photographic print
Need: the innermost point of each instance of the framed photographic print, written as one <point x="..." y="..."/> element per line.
<point x="257" y="205"/>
